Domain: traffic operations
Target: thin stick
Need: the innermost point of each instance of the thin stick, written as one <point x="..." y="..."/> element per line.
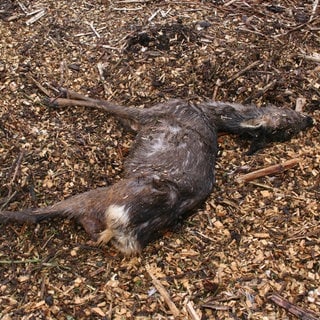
<point x="229" y="3"/>
<point x="94" y="30"/>
<point x="89" y="33"/>
<point x="153" y="15"/>
<point x="133" y="1"/>
<point x="16" y="169"/>
<point x="40" y="87"/>
<point x="193" y="314"/>
<point x="8" y="199"/>
<point x="216" y="88"/>
<point x="315" y="58"/>
<point x="216" y="307"/>
<point x="36" y="17"/>
<point x="241" y="72"/>
<point x="262" y="91"/>
<point x="300" y="26"/>
<point x="164" y="293"/>
<point x="277" y="168"/>
<point x="297" y="311"/>
<point x="17" y="166"/>
<point x="127" y="9"/>
<point x="314" y="9"/>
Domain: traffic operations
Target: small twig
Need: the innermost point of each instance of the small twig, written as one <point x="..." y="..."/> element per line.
<point x="192" y="313"/>
<point x="277" y="168"/>
<point x="89" y="33"/>
<point x="19" y="261"/>
<point x="127" y="9"/>
<point x="253" y="31"/>
<point x="262" y="91"/>
<point x="314" y="9"/>
<point x="306" y="233"/>
<point x="241" y="72"/>
<point x="229" y="3"/>
<point x="314" y="58"/>
<point x="262" y="185"/>
<point x="8" y="199"/>
<point x="216" y="306"/>
<point x="46" y="264"/>
<point x="90" y="24"/>
<point x="34" y="12"/>
<point x="23" y="7"/>
<point x="105" y="46"/>
<point x="298" y="27"/>
<point x="153" y="15"/>
<point x="297" y="311"/>
<point x="164" y="293"/>
<point x="36" y="17"/>
<point x="40" y="87"/>
<point x="205" y="237"/>
<point x="15" y="168"/>
<point x="216" y="88"/>
<point x="132" y="1"/>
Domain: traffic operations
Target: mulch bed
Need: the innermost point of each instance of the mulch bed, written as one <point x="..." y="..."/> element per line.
<point x="248" y="245"/>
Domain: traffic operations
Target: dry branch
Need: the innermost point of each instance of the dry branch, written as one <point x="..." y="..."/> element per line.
<point x="164" y="293"/>
<point x="241" y="72"/>
<point x="277" y="168"/>
<point x="297" y="311"/>
<point x="16" y="168"/>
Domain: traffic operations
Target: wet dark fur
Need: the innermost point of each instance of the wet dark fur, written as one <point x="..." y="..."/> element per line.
<point x="170" y="169"/>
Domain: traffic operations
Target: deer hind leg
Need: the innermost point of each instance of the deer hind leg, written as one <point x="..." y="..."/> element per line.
<point x="92" y="225"/>
<point x="118" y="230"/>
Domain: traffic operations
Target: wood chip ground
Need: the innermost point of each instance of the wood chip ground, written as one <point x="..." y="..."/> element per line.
<point x="248" y="240"/>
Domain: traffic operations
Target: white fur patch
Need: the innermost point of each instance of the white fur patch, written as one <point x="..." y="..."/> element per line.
<point x="174" y="130"/>
<point x="117" y="215"/>
<point x="160" y="143"/>
<point x="157" y="144"/>
<point x="118" y="230"/>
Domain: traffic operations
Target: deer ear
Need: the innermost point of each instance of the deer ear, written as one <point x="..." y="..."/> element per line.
<point x="130" y="125"/>
<point x="259" y="122"/>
